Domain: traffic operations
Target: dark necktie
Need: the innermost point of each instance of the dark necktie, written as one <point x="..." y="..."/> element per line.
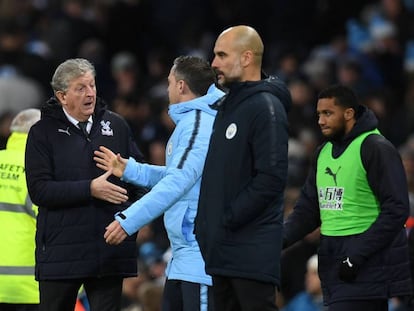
<point x="82" y="126"/>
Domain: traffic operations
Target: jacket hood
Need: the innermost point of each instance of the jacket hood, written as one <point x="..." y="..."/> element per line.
<point x="202" y="103"/>
<point x="270" y="84"/>
<point x="366" y="121"/>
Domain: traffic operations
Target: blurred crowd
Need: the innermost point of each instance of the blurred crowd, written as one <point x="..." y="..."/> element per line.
<point x="367" y="45"/>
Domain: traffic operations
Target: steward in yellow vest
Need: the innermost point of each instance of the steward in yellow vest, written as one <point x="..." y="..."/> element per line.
<point x="17" y="219"/>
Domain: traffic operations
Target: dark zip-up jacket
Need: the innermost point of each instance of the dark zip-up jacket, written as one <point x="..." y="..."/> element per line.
<point x="381" y="251"/>
<point x="71" y="224"/>
<point x="239" y="218"/>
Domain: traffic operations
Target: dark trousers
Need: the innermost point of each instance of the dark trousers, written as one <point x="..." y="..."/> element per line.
<point x="360" y="305"/>
<point x="18" y="307"/>
<point x="104" y="294"/>
<point x="186" y="296"/>
<point x="236" y="294"/>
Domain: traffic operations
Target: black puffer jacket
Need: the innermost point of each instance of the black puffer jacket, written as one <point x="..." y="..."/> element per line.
<point x="239" y="219"/>
<point x="381" y="250"/>
<point x="71" y="224"/>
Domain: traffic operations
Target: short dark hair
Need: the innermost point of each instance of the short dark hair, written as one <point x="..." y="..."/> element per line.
<point x="196" y="72"/>
<point x="343" y="95"/>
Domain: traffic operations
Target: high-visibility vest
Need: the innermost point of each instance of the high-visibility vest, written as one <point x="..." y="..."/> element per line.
<point x="346" y="201"/>
<point x="17" y="227"/>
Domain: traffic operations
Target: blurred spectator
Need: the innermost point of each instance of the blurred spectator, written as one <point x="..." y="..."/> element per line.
<point x="19" y="63"/>
<point x="293" y="260"/>
<point x="150" y="294"/>
<point x="293" y="265"/>
<point x="128" y="19"/>
<point x="389" y="123"/>
<point x="155" y="135"/>
<point x="136" y="111"/>
<point x="407" y="156"/>
<point x="21" y="73"/>
<point x="349" y="73"/>
<point x="405" y="113"/>
<point x="18" y="93"/>
<point x="302" y="114"/>
<point x="153" y="259"/>
<point x="144" y="292"/>
<point x="71" y="25"/>
<point x="126" y="74"/>
<point x="310" y="299"/>
<point x="94" y="50"/>
<point x="288" y="67"/>
<point x="319" y="72"/>
<point x="297" y="163"/>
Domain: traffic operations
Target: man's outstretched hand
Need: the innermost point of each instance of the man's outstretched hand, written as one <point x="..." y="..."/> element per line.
<point x="114" y="233"/>
<point x="102" y="189"/>
<point x="107" y="160"/>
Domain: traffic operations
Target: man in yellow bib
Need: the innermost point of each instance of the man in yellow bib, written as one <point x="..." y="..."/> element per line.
<point x="357" y="193"/>
<point x="18" y="289"/>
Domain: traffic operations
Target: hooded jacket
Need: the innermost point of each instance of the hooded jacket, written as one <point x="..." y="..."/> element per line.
<point x="175" y="187"/>
<point x="381" y="251"/>
<point x="71" y="223"/>
<point x="239" y="220"/>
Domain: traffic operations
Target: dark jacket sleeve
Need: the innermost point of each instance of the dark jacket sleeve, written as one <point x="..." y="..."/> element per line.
<point x="386" y="177"/>
<point x="305" y="216"/>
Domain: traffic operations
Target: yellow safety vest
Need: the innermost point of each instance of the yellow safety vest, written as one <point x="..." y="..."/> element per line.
<point x="17" y="227"/>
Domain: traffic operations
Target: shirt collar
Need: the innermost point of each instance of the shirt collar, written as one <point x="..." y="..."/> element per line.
<point x="74" y="121"/>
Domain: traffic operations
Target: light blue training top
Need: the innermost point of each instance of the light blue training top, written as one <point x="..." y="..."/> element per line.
<point x="175" y="187"/>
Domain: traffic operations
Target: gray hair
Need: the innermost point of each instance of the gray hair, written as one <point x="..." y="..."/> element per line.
<point x="69" y="70"/>
<point x="312" y="263"/>
<point x="24" y="120"/>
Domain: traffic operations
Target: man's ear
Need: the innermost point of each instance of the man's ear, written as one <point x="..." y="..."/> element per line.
<point x="61" y="96"/>
<point x="349" y="114"/>
<point x="246" y="58"/>
<point x="182" y="86"/>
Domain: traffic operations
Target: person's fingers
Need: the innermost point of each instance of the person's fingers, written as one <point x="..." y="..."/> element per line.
<point x="104" y="149"/>
<point x="102" y="166"/>
<point x="106" y="234"/>
<point x="117" y="189"/>
<point x="108" y="153"/>
<point x="100" y="161"/>
<point x="110" y="239"/>
<point x="117" y="200"/>
<point x="107" y="174"/>
<point x="113" y="239"/>
<point x="99" y="154"/>
<point x="115" y="197"/>
<point x="113" y="200"/>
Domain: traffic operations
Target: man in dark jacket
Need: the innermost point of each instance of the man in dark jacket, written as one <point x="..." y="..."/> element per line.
<point x="357" y="193"/>
<point x="239" y="220"/>
<point x="76" y="199"/>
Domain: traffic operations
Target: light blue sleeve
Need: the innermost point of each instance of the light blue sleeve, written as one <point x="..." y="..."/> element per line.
<point x="182" y="173"/>
<point x="142" y="174"/>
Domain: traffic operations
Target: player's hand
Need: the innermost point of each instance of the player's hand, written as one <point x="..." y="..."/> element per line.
<point x="114" y="233"/>
<point x="107" y="160"/>
<point x="102" y="189"/>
